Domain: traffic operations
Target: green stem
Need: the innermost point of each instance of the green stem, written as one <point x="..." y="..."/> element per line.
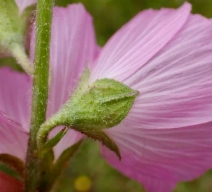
<point x="19" y="53"/>
<point x="40" y="91"/>
<point x="46" y="127"/>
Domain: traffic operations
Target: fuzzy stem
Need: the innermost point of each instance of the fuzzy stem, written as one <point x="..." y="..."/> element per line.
<point x="19" y="53"/>
<point x="40" y="91"/>
<point x="46" y="127"/>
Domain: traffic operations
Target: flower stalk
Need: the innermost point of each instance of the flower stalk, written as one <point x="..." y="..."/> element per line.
<point x="40" y="92"/>
<point x="19" y="53"/>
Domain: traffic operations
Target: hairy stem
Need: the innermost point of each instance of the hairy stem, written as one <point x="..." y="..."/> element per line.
<point x="40" y="91"/>
<point x="19" y="53"/>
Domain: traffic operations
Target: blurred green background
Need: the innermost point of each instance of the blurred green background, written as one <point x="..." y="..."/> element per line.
<point x="109" y="16"/>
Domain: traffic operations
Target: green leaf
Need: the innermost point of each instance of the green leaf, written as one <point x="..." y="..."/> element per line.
<point x="9" y="171"/>
<point x="52" y="142"/>
<point x="105" y="140"/>
<point x="11" y="165"/>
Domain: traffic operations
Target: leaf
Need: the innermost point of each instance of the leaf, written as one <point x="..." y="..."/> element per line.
<point x="52" y="142"/>
<point x="11" y="166"/>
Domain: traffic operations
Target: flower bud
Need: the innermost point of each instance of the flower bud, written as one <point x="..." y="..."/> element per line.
<point x="92" y="108"/>
<point x="103" y="104"/>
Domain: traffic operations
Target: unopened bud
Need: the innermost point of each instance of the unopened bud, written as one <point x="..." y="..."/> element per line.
<point x="100" y="105"/>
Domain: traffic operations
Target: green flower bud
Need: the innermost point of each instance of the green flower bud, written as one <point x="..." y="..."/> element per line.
<point x="100" y="105"/>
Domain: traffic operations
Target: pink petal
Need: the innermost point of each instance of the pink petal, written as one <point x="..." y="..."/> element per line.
<point x="13" y="140"/>
<point x="15" y="96"/>
<point x="138" y="41"/>
<point x="22" y="4"/>
<point x="176" y="84"/>
<point x="159" y="158"/>
<point x="166" y="137"/>
<point x="73" y="47"/>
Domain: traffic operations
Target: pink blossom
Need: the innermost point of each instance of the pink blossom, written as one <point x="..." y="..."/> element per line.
<point x="167" y="56"/>
<point x="66" y="68"/>
<point x="167" y="136"/>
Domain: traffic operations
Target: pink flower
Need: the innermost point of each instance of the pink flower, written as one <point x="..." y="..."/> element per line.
<point x="167" y="56"/>
<point x="66" y="68"/>
<point x="167" y="136"/>
<point x="22" y="4"/>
